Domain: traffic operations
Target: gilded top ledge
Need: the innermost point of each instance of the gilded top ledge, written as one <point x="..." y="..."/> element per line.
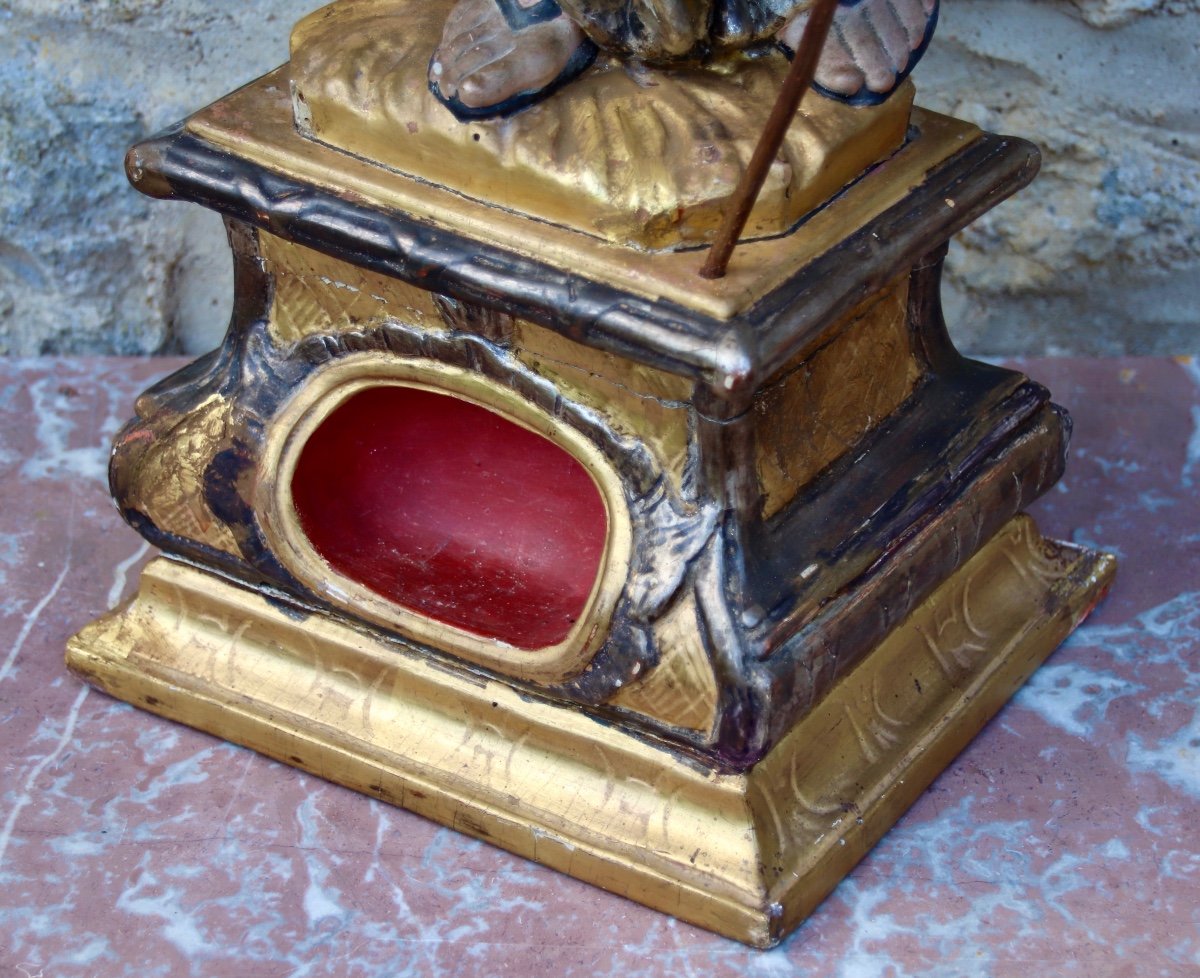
<point x="243" y="157"/>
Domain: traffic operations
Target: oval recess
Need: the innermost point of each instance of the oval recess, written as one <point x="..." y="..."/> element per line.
<point x="453" y="512"/>
<point x="537" y="594"/>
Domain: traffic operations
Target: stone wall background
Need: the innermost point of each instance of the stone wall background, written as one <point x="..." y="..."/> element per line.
<point x="1100" y="256"/>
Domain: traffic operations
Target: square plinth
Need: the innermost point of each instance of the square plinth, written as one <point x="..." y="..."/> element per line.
<point x="748" y="855"/>
<point x="244" y="157"/>
<point x="789" y="577"/>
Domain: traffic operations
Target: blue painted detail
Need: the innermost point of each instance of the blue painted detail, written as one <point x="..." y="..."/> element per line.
<point x="519" y="17"/>
<point x="579" y="62"/>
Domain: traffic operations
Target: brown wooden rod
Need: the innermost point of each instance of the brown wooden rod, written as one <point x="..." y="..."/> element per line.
<point x="799" y="77"/>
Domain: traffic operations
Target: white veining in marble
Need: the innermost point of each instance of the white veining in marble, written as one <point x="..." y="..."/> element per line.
<point x="1063" y="841"/>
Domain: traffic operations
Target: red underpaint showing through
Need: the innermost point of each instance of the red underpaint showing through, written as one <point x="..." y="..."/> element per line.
<point x="453" y="511"/>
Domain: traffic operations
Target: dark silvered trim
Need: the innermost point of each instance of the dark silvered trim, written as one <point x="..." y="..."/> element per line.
<point x="966" y="186"/>
<point x="180" y="166"/>
<point x="732" y="358"/>
<point x="898" y="474"/>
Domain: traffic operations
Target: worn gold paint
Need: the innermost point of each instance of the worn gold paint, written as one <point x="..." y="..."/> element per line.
<point x="329" y="387"/>
<point x="255" y="123"/>
<point x="828" y="398"/>
<point x="649" y="404"/>
<point x="681" y="689"/>
<point x="167" y="476"/>
<point x="913" y="705"/>
<point x="641" y="162"/>
<point x="747" y="855"/>
<point x="313" y="293"/>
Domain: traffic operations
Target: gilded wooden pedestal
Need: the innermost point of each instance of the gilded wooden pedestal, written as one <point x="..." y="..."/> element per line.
<point x="814" y="585"/>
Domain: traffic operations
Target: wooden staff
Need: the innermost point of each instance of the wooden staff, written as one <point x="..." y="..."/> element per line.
<point x="799" y="78"/>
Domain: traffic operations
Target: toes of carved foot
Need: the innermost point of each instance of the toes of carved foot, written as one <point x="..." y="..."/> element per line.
<point x="482" y="89"/>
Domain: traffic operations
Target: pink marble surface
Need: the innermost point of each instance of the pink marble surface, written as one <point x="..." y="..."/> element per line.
<point x="1064" y="841"/>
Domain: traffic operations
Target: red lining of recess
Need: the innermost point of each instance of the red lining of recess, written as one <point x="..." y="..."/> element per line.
<point x="450" y="510"/>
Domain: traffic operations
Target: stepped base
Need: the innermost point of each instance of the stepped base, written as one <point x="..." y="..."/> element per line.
<point x="748" y="855"/>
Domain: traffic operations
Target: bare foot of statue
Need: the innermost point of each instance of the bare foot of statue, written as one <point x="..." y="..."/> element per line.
<point x="871" y="48"/>
<point x="498" y="56"/>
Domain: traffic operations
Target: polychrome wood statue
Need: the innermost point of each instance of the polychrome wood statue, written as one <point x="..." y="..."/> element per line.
<point x="497" y="56"/>
<point x="491" y="505"/>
